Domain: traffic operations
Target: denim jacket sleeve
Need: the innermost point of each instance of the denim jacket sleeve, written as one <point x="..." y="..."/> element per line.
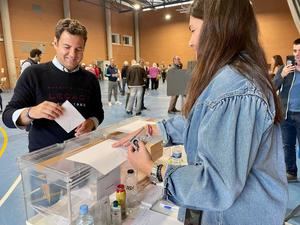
<point x="172" y="130"/>
<point x="229" y="136"/>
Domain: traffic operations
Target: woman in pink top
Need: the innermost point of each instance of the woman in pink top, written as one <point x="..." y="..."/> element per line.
<point x="154" y="74"/>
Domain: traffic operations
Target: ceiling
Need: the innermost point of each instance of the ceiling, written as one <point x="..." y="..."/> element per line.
<point x="129" y="5"/>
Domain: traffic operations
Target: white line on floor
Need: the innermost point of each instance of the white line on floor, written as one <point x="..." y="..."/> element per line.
<point x="10" y="190"/>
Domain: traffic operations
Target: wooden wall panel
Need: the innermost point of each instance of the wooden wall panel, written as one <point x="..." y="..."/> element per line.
<point x="277" y="28"/>
<point x="123" y="24"/>
<point x="93" y="17"/>
<point x="32" y="26"/>
<point x="161" y="39"/>
<point x="33" y="22"/>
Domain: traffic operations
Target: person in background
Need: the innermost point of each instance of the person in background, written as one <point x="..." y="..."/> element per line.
<point x="43" y="88"/>
<point x="124" y="73"/>
<point x="287" y="82"/>
<point x="147" y="67"/>
<point x="154" y="72"/>
<point x="163" y="73"/>
<point x="34" y="58"/>
<point x="177" y="65"/>
<point x="275" y="65"/>
<point x="112" y="73"/>
<point x="142" y="64"/>
<point x="93" y="69"/>
<point x="135" y="81"/>
<point x="230" y="127"/>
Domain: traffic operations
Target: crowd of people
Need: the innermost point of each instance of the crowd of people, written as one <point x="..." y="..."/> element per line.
<point x="134" y="80"/>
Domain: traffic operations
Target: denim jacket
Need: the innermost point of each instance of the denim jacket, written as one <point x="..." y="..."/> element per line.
<point x="236" y="169"/>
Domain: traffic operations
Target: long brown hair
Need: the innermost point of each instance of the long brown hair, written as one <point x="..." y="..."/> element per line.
<point x="229" y="36"/>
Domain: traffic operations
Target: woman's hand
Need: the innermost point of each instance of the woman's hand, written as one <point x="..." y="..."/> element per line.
<point x="150" y="129"/>
<point x="140" y="159"/>
<point x="125" y="140"/>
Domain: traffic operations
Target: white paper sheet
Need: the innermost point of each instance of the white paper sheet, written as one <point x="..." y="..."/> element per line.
<point x="71" y="117"/>
<point x="103" y="157"/>
<point x="149" y="217"/>
<point x="134" y="126"/>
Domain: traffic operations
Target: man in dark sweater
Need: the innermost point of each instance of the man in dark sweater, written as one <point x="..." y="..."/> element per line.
<point x="42" y="89"/>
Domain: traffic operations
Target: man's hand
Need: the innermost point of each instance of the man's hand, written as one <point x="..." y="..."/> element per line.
<point x="140" y="159"/>
<point x="87" y="126"/>
<point x="287" y="69"/>
<point x="46" y="110"/>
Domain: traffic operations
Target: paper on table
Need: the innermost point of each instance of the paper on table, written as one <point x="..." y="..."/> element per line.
<point x="71" y="118"/>
<point x="134" y="126"/>
<point x="149" y="217"/>
<point x="103" y="157"/>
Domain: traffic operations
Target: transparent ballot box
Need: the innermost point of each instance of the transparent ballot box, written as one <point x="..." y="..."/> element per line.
<point x="55" y="187"/>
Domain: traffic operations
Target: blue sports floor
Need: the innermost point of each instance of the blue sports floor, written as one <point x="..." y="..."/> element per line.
<point x="12" y="210"/>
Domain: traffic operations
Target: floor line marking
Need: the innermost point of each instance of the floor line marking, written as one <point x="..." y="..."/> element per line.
<point x="10" y="190"/>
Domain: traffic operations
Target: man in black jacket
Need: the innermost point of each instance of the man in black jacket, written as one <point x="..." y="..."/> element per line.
<point x="135" y="81"/>
<point x="287" y="81"/>
<point x="42" y="89"/>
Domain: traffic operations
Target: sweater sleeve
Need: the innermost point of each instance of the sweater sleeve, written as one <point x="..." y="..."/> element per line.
<point x="96" y="109"/>
<point x="23" y="96"/>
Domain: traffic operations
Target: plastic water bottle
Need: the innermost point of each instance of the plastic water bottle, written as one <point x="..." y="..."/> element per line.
<point x="131" y="190"/>
<point x="84" y="217"/>
<point x="176" y="156"/>
<point x="116" y="216"/>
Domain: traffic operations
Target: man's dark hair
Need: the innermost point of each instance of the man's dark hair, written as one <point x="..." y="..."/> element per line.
<point x="297" y="42"/>
<point x="35" y="52"/>
<point x="72" y="26"/>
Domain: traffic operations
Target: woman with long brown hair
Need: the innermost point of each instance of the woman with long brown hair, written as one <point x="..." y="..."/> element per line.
<point x="276" y="64"/>
<point x="229" y="128"/>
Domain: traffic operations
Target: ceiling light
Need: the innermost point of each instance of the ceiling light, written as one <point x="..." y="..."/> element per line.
<point x="168" y="16"/>
<point x="136" y="6"/>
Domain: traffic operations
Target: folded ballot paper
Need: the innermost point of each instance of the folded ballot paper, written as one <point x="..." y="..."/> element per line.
<point x="102" y="156"/>
<point x="71" y="117"/>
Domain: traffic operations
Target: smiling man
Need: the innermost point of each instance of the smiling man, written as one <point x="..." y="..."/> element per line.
<point x="42" y="89"/>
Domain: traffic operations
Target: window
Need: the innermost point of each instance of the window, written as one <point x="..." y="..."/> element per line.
<point x="127" y="40"/>
<point x="115" y="39"/>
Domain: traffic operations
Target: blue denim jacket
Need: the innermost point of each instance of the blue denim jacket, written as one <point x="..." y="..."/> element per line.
<point x="236" y="169"/>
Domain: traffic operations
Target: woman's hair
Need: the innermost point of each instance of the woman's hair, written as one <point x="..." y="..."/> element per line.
<point x="229" y="36"/>
<point x="277" y="61"/>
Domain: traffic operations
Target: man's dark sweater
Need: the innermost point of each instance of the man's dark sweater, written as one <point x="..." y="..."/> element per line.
<point x="45" y="82"/>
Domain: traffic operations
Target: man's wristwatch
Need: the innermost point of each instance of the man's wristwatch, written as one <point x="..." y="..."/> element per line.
<point x="155" y="175"/>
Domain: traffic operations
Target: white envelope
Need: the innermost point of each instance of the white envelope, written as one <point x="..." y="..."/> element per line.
<point x="71" y="117"/>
